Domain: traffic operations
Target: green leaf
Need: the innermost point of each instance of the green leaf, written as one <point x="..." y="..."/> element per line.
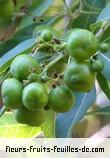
<point x="43" y="56"/>
<point x="106" y="35"/>
<point x="9" y="128"/>
<point x="104" y="15"/>
<point x="106" y="60"/>
<point x="20" y="48"/>
<point x="95" y="27"/>
<point x="25" y="34"/>
<point x="66" y="122"/>
<point x="101" y="111"/>
<point x="48" y="127"/>
<point x="103" y="84"/>
<point x="84" y="20"/>
<point x="38" y="8"/>
<point x="20" y="36"/>
<point x="23" y="47"/>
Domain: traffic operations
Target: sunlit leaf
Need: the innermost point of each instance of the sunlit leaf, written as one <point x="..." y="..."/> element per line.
<point x="48" y="127"/>
<point x="9" y="128"/>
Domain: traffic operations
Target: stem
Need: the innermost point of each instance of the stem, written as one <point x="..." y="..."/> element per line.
<point x="69" y="60"/>
<point x="2" y="111"/>
<point x="88" y="12"/>
<point x="68" y="9"/>
<point x="105" y="40"/>
<point x="39" y="47"/>
<point x="75" y="4"/>
<point x="58" y="58"/>
<point x="104" y="27"/>
<point x="91" y="6"/>
<point x="77" y="13"/>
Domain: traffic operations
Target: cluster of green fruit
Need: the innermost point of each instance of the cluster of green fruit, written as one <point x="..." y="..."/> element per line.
<point x="32" y="99"/>
<point x="80" y="73"/>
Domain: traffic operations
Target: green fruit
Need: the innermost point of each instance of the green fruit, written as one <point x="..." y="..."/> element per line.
<point x="31" y="118"/>
<point x="11" y="92"/>
<point x="61" y="99"/>
<point x="23" y="65"/>
<point x="42" y="28"/>
<point x="35" y="96"/>
<point x="104" y="47"/>
<point x="82" y="44"/>
<point x="47" y="35"/>
<point x="79" y="77"/>
<point x="6" y="9"/>
<point x="97" y="65"/>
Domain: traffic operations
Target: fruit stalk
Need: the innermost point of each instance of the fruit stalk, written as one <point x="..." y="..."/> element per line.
<point x="2" y="111"/>
<point x="54" y="61"/>
<point x="103" y="28"/>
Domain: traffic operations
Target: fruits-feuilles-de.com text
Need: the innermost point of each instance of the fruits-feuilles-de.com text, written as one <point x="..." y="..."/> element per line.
<point x="34" y="87"/>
